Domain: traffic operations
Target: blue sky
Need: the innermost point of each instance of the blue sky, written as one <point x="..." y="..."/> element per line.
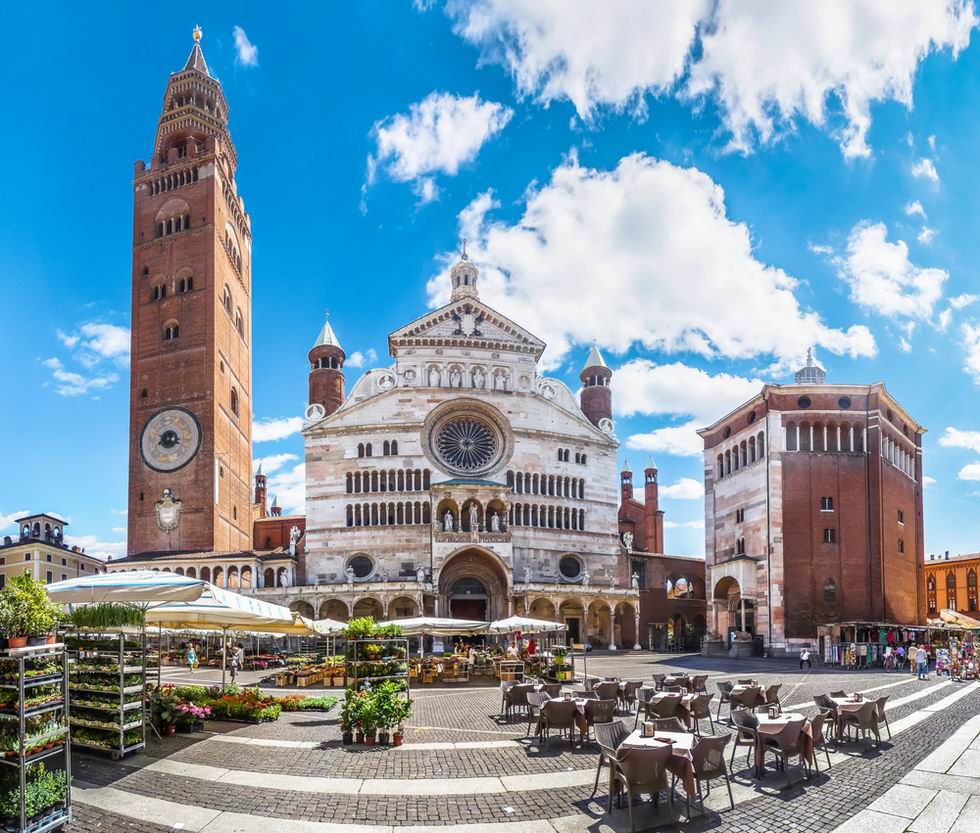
<point x="704" y="188"/>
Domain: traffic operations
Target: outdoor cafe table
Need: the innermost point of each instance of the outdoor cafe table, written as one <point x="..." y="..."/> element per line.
<point x="680" y="762"/>
<point x="683" y="680"/>
<point x="740" y="689"/>
<point x="849" y="700"/>
<point x="581" y="721"/>
<point x="683" y="708"/>
<point x="772" y="726"/>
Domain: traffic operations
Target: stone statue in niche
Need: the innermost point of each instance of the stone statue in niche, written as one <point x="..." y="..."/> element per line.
<point x="447" y="521"/>
<point x="586" y="578"/>
<point x="349" y="572"/>
<point x="495" y="522"/>
<point x="501" y="381"/>
<point x="474" y="518"/>
<point x="433" y="377"/>
<point x="478" y="378"/>
<point x="628" y="541"/>
<point x="293" y="538"/>
<point x="420" y="573"/>
<point x="455" y="378"/>
<point x="635" y="580"/>
<point x="527" y="575"/>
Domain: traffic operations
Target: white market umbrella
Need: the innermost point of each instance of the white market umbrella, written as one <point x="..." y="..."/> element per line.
<point x="522" y="624"/>
<point x="138" y="588"/>
<point x="421" y="626"/>
<point x="223" y="610"/>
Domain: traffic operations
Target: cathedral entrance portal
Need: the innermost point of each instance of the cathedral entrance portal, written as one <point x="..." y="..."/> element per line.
<point x="473" y="585"/>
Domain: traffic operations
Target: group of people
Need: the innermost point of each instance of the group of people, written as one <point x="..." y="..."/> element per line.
<point x="236" y="658"/>
<point x="917" y="657"/>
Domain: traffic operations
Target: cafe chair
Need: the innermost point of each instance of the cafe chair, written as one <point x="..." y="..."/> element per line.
<point x="708" y="758"/>
<point x="658" y="681"/>
<point x="558" y="715"/>
<point x="643" y="696"/>
<point x="785" y="744"/>
<point x="515" y="698"/>
<point x="664" y="708"/>
<point x="535" y="702"/>
<point x="609" y="736"/>
<point x="639" y="771"/>
<point x="699" y="684"/>
<point x="863" y="716"/>
<point x="819" y="739"/>
<point x="551" y="689"/>
<point x="748" y="699"/>
<point x="838" y="694"/>
<point x="673" y="689"/>
<point x="746" y="724"/>
<point x="607" y="690"/>
<point x="772" y="695"/>
<point x="668" y="724"/>
<point x="725" y="690"/>
<point x="881" y="715"/>
<point x="701" y="709"/>
<point x="746" y="682"/>
<point x="627" y="694"/>
<point x="600" y="711"/>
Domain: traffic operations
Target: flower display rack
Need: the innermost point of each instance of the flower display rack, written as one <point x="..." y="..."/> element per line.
<point x="107" y="680"/>
<point x="371" y="661"/>
<point x="36" y="772"/>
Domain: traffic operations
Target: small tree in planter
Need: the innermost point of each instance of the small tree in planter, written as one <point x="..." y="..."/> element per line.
<point x="27" y="615"/>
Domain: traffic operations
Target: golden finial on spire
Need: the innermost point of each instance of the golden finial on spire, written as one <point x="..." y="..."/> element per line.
<point x="197" y="34"/>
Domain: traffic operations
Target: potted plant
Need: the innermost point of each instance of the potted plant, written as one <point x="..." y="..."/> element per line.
<point x="401" y="712"/>
<point x="27" y="615"/>
<point x="163" y="707"/>
<point x="349" y="716"/>
<point x="367" y="721"/>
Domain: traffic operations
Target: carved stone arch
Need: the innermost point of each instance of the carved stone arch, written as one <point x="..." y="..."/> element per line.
<point x="481" y="565"/>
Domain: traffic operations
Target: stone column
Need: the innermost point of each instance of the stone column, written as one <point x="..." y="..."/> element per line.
<point x="636" y="630"/>
<point x="612" y="628"/>
<point x="741" y="610"/>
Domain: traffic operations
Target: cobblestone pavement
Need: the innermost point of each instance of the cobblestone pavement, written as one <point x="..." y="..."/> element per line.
<point x="471" y="716"/>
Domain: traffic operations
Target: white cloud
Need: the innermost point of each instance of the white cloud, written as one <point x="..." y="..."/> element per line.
<point x="820" y="249"/>
<point x="959" y="302"/>
<point x="248" y="52"/>
<point x="289" y="487"/>
<point x="438" y="134"/>
<point x="955" y="438"/>
<point x="68" y="340"/>
<point x="642" y="387"/>
<point x="699" y="524"/>
<point x="70" y="383"/>
<point x="928" y="481"/>
<point x="925" y="235"/>
<point x="93" y="345"/>
<point x="598" y="240"/>
<point x="275" y="428"/>
<point x="882" y="279"/>
<point x="558" y="50"/>
<point x="107" y="341"/>
<point x="7" y="520"/>
<point x="272" y="463"/>
<point x="970" y="472"/>
<point x="94" y="547"/>
<point x="971" y="348"/>
<point x="766" y="64"/>
<point x="914" y="209"/>
<point x="925" y="169"/>
<point x="687" y="488"/>
<point x="359" y="359"/>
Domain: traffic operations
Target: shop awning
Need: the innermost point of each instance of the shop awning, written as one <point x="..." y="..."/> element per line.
<point x="224" y="610"/>
<point x="435" y="626"/>
<point x="953" y="619"/>
<point x="139" y="587"/>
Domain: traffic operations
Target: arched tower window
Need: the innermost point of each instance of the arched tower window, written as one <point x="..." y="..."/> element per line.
<point x="239" y="322"/>
<point x="171" y="330"/>
<point x="226" y="300"/>
<point x="234" y="401"/>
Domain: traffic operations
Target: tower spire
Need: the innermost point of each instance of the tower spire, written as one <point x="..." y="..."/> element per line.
<point x="196" y="59"/>
<point x="811" y="373"/>
<point x="464" y="276"/>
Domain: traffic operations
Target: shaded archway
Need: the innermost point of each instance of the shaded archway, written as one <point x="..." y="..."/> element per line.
<point x="269" y="577"/>
<point x="334" y="609"/>
<point x="599" y="624"/>
<point x="218" y="577"/>
<point x="369" y="606"/>
<point x="572" y="614"/>
<point x="205" y="574"/>
<point x="624" y="626"/>
<point x="542" y="608"/>
<point x="473" y="585"/>
<point x="403" y="607"/>
<point x="245" y="577"/>
<point x="302" y="608"/>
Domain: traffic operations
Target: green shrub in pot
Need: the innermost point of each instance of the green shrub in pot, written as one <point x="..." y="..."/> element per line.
<point x="26" y="612"/>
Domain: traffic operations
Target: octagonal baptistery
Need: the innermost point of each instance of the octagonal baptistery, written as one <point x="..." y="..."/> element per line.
<point x="459" y="481"/>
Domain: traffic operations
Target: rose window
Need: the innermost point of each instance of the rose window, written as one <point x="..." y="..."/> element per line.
<point x="466" y="444"/>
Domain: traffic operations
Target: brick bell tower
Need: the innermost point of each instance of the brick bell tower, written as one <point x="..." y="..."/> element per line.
<point x="327" y="370"/>
<point x="190" y="450"/>
<point x="596" y="397"/>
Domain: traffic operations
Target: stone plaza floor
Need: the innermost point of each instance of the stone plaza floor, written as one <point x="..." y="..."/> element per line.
<point x="463" y="769"/>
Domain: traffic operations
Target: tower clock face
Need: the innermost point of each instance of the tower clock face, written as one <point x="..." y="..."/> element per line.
<point x="170" y="439"/>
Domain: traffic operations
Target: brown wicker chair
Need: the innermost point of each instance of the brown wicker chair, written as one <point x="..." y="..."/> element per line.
<point x="701" y="709"/>
<point x="772" y="696"/>
<point x="882" y="715"/>
<point x="819" y="739"/>
<point x="515" y="698"/>
<point x="699" y="684"/>
<point x="838" y="694"/>
<point x="609" y="736"/>
<point x="535" y="702"/>
<point x="551" y="689"/>
<point x="748" y="699"/>
<point x="829" y="709"/>
<point x="607" y="690"/>
<point x="664" y="708"/>
<point x="600" y="711"/>
<point x="725" y="690"/>
<point x="785" y="744"/>
<point x="668" y="724"/>
<point x="558" y="715"/>
<point x="643" y="696"/>
<point x="708" y="758"/>
<point x="658" y="681"/>
<point x="746" y="724"/>
<point x="627" y="695"/>
<point x="639" y="771"/>
<point x="861" y="715"/>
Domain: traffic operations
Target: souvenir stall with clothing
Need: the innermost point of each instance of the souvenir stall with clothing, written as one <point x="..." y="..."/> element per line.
<point x="854" y="645"/>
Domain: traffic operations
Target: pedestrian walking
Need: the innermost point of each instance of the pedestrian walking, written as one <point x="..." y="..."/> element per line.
<point x="922" y="663"/>
<point x="191" y="658"/>
<point x="805" y="659"/>
<point x="233" y="665"/>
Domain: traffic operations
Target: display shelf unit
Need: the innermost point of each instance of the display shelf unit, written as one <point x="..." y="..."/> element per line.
<point x="103" y="668"/>
<point x="560" y="668"/>
<point x="364" y="665"/>
<point x="50" y="748"/>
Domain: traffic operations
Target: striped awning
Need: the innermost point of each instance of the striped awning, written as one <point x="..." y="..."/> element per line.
<point x="137" y="587"/>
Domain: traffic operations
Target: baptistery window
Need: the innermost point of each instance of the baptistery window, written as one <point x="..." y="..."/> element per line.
<point x="570" y="567"/>
<point x="466" y="444"/>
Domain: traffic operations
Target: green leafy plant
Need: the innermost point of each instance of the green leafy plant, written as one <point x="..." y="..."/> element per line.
<point x="360" y="628"/>
<point x="26" y="610"/>
<point x="101" y="617"/>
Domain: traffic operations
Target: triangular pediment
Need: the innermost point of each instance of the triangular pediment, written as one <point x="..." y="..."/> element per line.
<point x="467" y="322"/>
